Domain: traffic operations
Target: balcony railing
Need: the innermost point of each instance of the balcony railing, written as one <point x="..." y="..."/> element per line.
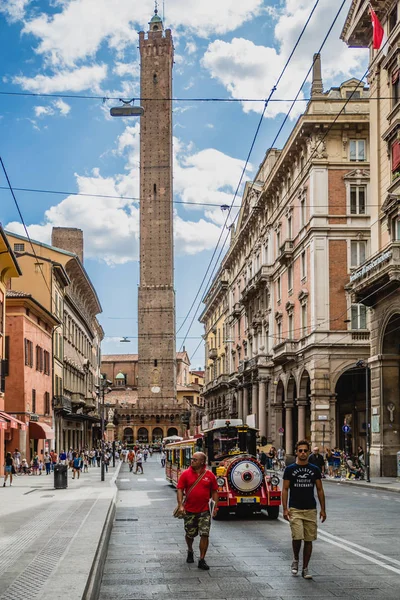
<point x="379" y="272"/>
<point x="212" y="353"/>
<point x="62" y="402"/>
<point x="285" y="351"/>
<point x="286" y="251"/>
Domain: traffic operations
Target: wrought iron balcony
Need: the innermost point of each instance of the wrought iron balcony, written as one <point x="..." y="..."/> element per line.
<point x="376" y="277"/>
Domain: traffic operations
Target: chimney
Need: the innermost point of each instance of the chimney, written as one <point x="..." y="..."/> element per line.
<point x="68" y="238"/>
<point x="317" y="87"/>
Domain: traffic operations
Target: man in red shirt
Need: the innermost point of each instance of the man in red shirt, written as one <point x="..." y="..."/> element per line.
<point x="195" y="507"/>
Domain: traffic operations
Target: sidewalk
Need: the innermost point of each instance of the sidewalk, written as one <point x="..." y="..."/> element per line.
<point x="51" y="541"/>
<point x="388" y="484"/>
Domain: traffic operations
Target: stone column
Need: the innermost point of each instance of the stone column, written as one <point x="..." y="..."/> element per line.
<point x="289" y="428"/>
<point x="240" y="402"/>
<point x="245" y="403"/>
<point x="254" y="399"/>
<point x="301" y="405"/>
<point x="262" y="412"/>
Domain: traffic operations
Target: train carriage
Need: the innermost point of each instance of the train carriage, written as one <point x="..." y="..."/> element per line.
<point x="244" y="486"/>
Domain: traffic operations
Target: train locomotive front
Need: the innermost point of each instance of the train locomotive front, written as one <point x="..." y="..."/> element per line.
<point x="243" y="485"/>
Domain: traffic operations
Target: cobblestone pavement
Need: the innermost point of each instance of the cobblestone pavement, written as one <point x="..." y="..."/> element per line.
<point x="48" y="537"/>
<point x="355" y="558"/>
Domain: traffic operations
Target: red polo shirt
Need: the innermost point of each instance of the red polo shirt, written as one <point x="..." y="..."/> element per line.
<point x="197" y="501"/>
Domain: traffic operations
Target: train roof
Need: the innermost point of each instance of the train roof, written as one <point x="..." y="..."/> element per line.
<point x="222" y="423"/>
<point x="184" y="442"/>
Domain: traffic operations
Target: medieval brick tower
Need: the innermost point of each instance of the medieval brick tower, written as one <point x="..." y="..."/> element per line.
<point x="157" y="358"/>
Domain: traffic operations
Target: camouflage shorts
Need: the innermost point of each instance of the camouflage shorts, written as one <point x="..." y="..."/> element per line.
<point x="197" y="524"/>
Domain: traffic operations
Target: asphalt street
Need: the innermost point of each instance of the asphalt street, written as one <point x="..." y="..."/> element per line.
<point x="357" y="555"/>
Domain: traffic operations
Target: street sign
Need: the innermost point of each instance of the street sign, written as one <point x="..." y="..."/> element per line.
<point x="346" y="429"/>
<point x="322" y="417"/>
<point x="279" y="433"/>
<point x="281" y="430"/>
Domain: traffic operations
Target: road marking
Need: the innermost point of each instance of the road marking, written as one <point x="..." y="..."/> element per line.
<point x="160" y="479"/>
<point x="123" y="480"/>
<point x="344" y="544"/>
<point x="141" y="479"/>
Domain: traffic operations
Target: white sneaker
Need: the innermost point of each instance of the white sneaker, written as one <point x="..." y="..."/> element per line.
<point x="305" y="574"/>
<point x="295" y="567"/>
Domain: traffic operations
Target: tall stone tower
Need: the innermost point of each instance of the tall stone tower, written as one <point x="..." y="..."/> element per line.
<point x="157" y="354"/>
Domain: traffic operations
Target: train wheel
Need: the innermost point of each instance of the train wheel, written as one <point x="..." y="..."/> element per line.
<point x="273" y="512"/>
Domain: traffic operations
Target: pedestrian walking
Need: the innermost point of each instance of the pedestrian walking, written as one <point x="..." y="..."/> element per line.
<point x="280" y="455"/>
<point x="76" y="466"/>
<point x="163" y="459"/>
<point x="318" y="460"/>
<point x="299" y="479"/>
<point x="98" y="457"/>
<point x="139" y="462"/>
<point x="35" y="464"/>
<point x="8" y="468"/>
<point x="329" y="460"/>
<point x="62" y="457"/>
<point x="263" y="459"/>
<point x="47" y="462"/>
<point x="131" y="459"/>
<point x="197" y="485"/>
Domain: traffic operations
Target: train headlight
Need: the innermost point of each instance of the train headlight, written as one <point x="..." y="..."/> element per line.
<point x="220" y="481"/>
<point x="275" y="480"/>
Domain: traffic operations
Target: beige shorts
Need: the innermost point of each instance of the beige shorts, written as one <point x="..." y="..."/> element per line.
<point x="303" y="524"/>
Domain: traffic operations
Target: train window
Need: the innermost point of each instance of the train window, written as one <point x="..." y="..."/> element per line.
<point x="188" y="456"/>
<point x="225" y="442"/>
<point x="177" y="457"/>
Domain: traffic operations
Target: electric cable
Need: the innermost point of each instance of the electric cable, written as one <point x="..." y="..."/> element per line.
<point x="279" y="131"/>
<point x="246" y="164"/>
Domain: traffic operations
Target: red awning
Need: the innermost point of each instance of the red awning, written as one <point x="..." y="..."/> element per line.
<point x="12" y="422"/>
<point x="40" y="431"/>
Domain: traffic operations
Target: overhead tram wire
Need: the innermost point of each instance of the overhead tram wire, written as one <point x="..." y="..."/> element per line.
<point x="25" y="228"/>
<point x="246" y="164"/>
<point x="276" y="137"/>
<point x="133" y="198"/>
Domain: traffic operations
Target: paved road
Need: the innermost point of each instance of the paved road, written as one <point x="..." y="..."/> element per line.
<point x="356" y="557"/>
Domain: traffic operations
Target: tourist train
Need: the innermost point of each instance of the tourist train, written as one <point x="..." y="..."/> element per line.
<point x="244" y="486"/>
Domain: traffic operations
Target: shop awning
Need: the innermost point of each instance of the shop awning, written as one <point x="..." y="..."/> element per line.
<point x="40" y="431"/>
<point x="12" y="422"/>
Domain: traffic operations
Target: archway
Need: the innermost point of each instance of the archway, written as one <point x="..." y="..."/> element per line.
<point x="143" y="435"/>
<point x="291" y="422"/>
<point x="128" y="435"/>
<point x="172" y="431"/>
<point x="304" y="407"/>
<point x="390" y="373"/>
<point x="157" y="435"/>
<point x="350" y="409"/>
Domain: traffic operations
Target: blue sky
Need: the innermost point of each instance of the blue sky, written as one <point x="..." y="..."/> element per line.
<point x="89" y="47"/>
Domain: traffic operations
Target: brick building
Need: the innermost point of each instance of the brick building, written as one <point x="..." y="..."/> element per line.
<point x="146" y="423"/>
<point x="9" y="268"/>
<point x="55" y="277"/>
<point x="292" y="337"/>
<point x="29" y="335"/>
<point x="376" y="283"/>
<point x="156" y="302"/>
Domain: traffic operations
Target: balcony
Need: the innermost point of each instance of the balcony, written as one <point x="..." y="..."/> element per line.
<point x="286" y="252"/>
<point x="77" y="400"/>
<point x="285" y="352"/>
<point x="236" y="310"/>
<point x="260" y="278"/>
<point x="62" y="403"/>
<point x="377" y="277"/>
<point x="212" y="353"/>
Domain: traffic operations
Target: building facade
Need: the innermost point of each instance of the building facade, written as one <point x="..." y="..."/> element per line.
<point x="376" y="283"/>
<point x="9" y="268"/>
<point x="56" y="278"/>
<point x="136" y="422"/>
<point x="292" y="334"/>
<point x="156" y="301"/>
<point x="30" y="371"/>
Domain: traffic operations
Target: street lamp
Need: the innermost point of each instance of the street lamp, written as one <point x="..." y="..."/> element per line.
<point x="104" y="382"/>
<point x="127" y="109"/>
<point x="364" y="365"/>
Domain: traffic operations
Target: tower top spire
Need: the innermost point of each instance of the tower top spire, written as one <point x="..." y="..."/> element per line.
<point x="155" y="22"/>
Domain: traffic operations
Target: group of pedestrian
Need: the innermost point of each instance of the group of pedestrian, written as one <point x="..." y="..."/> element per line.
<point x="197" y="496"/>
<point x="273" y="459"/>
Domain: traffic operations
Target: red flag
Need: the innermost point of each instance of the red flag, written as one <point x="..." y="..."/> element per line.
<point x="379" y="38"/>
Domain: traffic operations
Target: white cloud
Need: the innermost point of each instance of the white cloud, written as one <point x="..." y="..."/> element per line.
<point x="62" y="106"/>
<point x="123" y="69"/>
<point x="49" y="111"/>
<point x="111" y="225"/>
<point x="79" y="29"/>
<point x="14" y="10"/>
<point x="248" y="70"/>
<point x="190" y="47"/>
<point x="75" y="80"/>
